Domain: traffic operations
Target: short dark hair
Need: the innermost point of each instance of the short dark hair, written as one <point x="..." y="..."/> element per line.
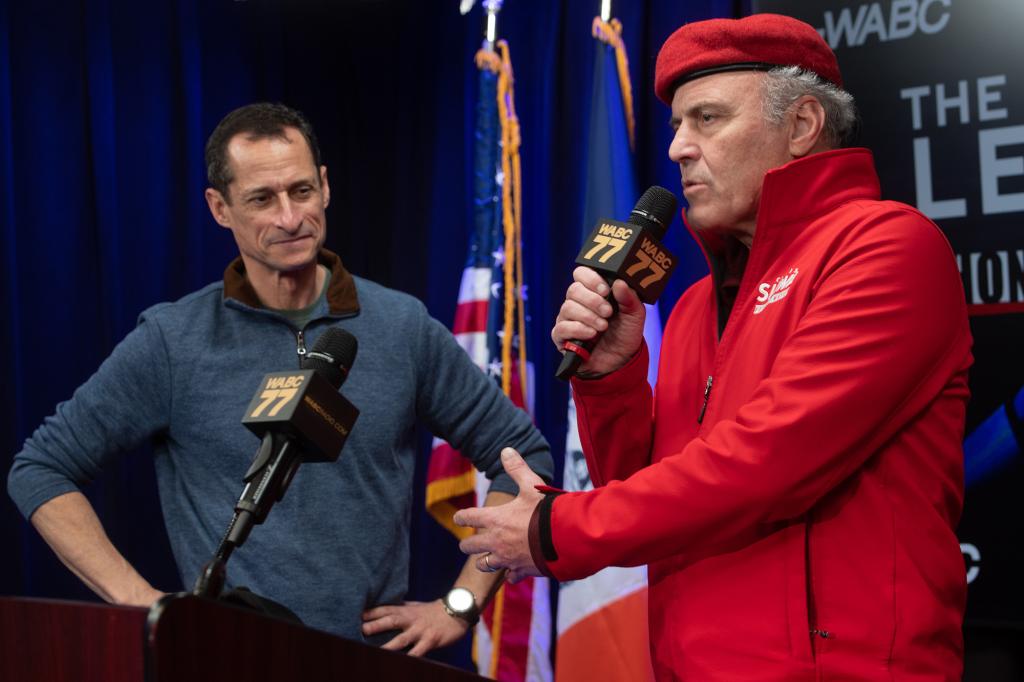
<point x="255" y="121"/>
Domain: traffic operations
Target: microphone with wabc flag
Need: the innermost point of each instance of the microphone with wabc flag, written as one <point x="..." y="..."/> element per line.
<point x="630" y="251"/>
<point x="300" y="417"/>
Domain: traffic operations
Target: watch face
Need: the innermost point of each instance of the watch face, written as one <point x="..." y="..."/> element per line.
<point x="461" y="600"/>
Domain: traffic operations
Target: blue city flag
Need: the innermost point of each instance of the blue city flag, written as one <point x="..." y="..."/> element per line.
<point x="611" y="181"/>
<point x="602" y="620"/>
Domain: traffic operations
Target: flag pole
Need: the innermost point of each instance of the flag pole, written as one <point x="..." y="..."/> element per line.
<point x="606" y="10"/>
<point x="491" y="10"/>
<point x="512" y="638"/>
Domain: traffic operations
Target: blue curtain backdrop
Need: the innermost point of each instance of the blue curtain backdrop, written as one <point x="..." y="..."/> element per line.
<point x="105" y="106"/>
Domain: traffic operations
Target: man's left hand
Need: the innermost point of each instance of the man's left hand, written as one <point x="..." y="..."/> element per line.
<point x="424" y="626"/>
<point x="503" y="531"/>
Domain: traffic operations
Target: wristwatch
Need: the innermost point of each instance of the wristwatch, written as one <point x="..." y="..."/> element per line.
<point x="460" y="603"/>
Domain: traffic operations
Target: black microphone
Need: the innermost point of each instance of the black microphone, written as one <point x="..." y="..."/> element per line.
<point x="630" y="251"/>
<point x="305" y="405"/>
<point x="332" y="356"/>
<point x="300" y="416"/>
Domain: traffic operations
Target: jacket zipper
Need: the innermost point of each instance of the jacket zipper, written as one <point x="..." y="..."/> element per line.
<point x="300" y="346"/>
<point x="824" y="634"/>
<point x="707" y="394"/>
<point x="716" y="274"/>
<point x="715" y="266"/>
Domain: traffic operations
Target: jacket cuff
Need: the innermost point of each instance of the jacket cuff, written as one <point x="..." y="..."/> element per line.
<point x="542" y="546"/>
<point x="622" y="379"/>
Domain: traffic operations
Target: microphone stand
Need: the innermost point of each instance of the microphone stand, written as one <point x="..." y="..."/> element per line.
<point x="265" y="483"/>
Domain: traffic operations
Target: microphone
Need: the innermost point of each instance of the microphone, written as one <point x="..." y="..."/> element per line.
<point x="305" y="405"/>
<point x="332" y="356"/>
<point x="300" y="416"/>
<point x="630" y="251"/>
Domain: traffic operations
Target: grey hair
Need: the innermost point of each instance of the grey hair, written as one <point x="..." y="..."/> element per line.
<point x="784" y="85"/>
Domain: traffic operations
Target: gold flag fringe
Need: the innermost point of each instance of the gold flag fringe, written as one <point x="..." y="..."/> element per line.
<point x="611" y="33"/>
<point x="500" y="62"/>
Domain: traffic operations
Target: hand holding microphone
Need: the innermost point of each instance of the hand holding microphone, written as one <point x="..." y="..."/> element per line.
<point x="601" y="323"/>
<point x="587" y="316"/>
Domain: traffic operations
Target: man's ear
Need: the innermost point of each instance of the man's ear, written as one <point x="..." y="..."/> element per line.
<point x="808" y="126"/>
<point x="218" y="206"/>
<point x="325" y="188"/>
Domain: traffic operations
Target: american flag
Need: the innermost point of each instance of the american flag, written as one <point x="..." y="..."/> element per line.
<point x="512" y="639"/>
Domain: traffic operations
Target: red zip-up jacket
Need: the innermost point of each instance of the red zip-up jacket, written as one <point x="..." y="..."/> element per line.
<point x="796" y="492"/>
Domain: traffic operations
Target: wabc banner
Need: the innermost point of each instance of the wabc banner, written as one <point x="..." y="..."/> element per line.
<point x="940" y="87"/>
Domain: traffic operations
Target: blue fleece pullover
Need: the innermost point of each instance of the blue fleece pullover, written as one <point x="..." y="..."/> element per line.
<point x="339" y="541"/>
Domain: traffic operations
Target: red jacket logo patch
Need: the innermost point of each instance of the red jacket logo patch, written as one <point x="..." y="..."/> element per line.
<point x="775" y="291"/>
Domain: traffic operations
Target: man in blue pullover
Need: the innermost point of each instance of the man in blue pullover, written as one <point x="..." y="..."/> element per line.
<point x="335" y="550"/>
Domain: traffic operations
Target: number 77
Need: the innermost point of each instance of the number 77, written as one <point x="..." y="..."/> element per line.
<point x="600" y="241"/>
<point x="283" y="395"/>
<point x="644" y="262"/>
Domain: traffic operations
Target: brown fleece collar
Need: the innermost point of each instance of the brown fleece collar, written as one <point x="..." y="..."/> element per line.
<point x="341" y="293"/>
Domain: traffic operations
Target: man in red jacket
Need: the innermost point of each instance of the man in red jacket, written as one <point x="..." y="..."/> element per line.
<point x="795" y="480"/>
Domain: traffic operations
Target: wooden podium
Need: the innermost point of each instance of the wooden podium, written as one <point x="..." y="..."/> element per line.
<point x="183" y="638"/>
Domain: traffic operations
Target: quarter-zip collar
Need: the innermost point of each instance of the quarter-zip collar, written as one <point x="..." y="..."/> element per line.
<point x="341" y="292"/>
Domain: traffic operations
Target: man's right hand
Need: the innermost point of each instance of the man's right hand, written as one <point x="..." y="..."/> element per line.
<point x="585" y="313"/>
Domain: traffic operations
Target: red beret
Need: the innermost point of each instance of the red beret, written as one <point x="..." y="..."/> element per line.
<point x="760" y="41"/>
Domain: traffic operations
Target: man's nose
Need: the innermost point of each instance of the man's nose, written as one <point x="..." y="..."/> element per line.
<point x="290" y="217"/>
<point x="683" y="148"/>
